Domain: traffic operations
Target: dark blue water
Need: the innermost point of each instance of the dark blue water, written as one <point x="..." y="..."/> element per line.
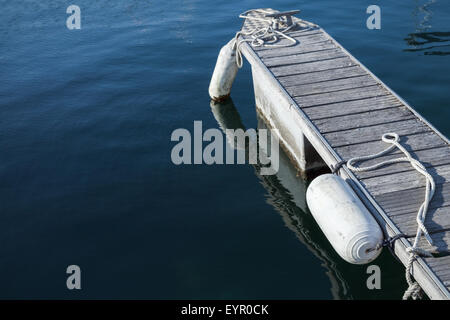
<point x="85" y="171"/>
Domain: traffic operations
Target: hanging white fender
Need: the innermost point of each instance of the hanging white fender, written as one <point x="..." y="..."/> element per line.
<point x="224" y="73"/>
<point x="343" y="218"/>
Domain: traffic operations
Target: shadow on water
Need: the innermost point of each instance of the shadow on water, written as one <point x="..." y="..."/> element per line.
<point x="431" y="43"/>
<point x="286" y="193"/>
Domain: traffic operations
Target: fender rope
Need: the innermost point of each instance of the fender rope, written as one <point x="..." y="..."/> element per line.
<point x="389" y="242"/>
<point x="414" y="290"/>
<point x="337" y="166"/>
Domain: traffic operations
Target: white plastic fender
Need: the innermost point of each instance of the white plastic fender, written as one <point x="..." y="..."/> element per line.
<point x="224" y="73"/>
<point x="343" y="218"/>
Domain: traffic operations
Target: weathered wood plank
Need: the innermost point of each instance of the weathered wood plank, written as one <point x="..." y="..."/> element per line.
<point x="340" y="96"/>
<point x="312" y="67"/>
<point x="429" y="158"/>
<point x="331" y="86"/>
<point x="345" y="96"/>
<point x="411" y="142"/>
<point x="441" y="241"/>
<point x="405" y="180"/>
<point x="304" y="58"/>
<point x="299" y="49"/>
<point x="408" y="200"/>
<point x="439" y="263"/>
<point x="321" y="76"/>
<point x="373" y="133"/>
<point x="443" y="275"/>
<point x="437" y="219"/>
<point x="441" y="268"/>
<point x="299" y="32"/>
<point x="351" y="107"/>
<point x="359" y="120"/>
<point x="413" y="198"/>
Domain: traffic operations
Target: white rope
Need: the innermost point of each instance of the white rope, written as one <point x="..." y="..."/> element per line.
<point x="264" y="36"/>
<point x="414" y="290"/>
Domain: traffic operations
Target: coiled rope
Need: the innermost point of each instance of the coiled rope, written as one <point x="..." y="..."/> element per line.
<point x="266" y="36"/>
<point x="414" y="290"/>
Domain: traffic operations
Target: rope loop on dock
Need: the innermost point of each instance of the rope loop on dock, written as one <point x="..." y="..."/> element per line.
<point x="266" y="36"/>
<point x="414" y="290"/>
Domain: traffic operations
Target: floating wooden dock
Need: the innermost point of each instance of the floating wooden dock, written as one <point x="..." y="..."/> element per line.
<point x="321" y="97"/>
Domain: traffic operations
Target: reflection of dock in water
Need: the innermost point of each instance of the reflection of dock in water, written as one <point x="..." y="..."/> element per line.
<point x="286" y="193"/>
<point x="431" y="43"/>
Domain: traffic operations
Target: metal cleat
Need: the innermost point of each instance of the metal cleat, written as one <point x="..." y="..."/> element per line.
<point x="277" y="15"/>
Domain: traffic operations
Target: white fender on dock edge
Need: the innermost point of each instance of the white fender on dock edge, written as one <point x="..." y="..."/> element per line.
<point x="224" y="73"/>
<point x="348" y="225"/>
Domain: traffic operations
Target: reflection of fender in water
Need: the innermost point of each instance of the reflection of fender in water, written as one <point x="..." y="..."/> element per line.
<point x="228" y="118"/>
<point x="286" y="193"/>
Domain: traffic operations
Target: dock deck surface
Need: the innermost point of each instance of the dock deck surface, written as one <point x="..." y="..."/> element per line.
<point x="346" y="109"/>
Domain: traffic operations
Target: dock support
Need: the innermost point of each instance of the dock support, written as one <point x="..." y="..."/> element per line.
<point x="275" y="109"/>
